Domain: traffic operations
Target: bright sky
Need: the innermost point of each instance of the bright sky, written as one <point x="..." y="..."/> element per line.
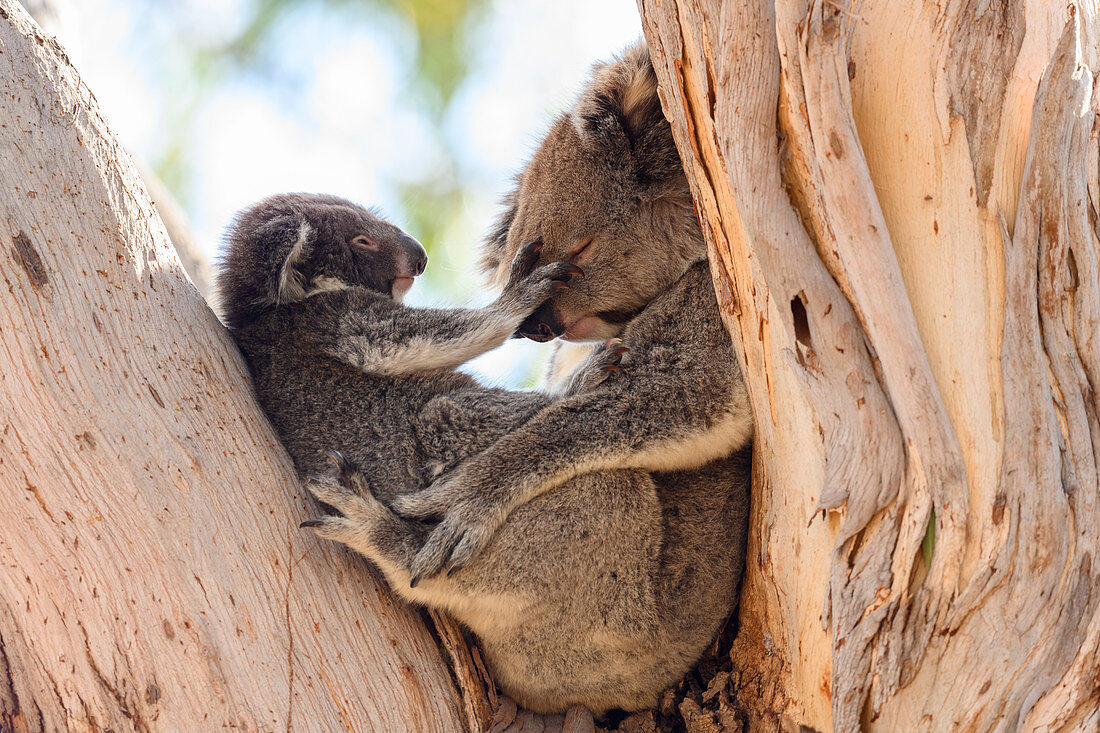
<point x="344" y="125"/>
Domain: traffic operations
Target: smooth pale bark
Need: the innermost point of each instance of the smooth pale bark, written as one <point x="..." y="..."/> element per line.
<point x="900" y="200"/>
<point x="45" y="13"/>
<point x="152" y="573"/>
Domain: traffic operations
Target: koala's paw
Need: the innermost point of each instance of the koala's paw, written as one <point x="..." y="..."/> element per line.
<point x="608" y="358"/>
<point x="349" y="476"/>
<point x="510" y="718"/>
<point x="466" y="524"/>
<point x="529" y="285"/>
<point x="350" y="495"/>
<point x="433" y="501"/>
<point x="524" y="262"/>
<point x="601" y="364"/>
<point x="544" y="283"/>
<point x="453" y="543"/>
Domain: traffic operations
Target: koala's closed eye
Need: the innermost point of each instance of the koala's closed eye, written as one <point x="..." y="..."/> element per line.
<point x="583" y="250"/>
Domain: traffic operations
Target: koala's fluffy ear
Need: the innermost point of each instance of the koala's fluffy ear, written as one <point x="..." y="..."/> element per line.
<point x="620" y="110"/>
<point x="495" y="247"/>
<point x="265" y="247"/>
<point x="620" y="98"/>
<point x="290" y="285"/>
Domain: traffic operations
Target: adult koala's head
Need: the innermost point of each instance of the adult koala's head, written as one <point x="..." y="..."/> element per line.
<point x="605" y="190"/>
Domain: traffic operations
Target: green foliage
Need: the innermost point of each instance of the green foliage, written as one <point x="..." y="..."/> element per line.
<point x="440" y="64"/>
<point x="441" y="27"/>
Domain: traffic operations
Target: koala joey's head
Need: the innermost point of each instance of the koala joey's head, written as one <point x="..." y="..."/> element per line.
<point x="293" y="245"/>
<point x="606" y="191"/>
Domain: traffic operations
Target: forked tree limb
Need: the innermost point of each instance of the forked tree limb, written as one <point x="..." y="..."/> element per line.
<point x="903" y="224"/>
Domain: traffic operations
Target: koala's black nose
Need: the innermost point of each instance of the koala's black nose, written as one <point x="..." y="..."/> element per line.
<point x="418" y="258"/>
<point x="542" y="325"/>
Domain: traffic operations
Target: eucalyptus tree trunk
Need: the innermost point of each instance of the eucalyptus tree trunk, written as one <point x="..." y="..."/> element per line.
<point x="901" y="205"/>
<point x="152" y="574"/>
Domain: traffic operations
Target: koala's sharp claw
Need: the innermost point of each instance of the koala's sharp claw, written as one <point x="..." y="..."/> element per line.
<point x="611" y="368"/>
<point x="311" y="523"/>
<point x="573" y="270"/>
<point x="414" y="580"/>
<point x="339" y="459"/>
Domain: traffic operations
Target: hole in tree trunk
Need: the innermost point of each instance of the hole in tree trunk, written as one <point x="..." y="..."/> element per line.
<point x="801" y="321"/>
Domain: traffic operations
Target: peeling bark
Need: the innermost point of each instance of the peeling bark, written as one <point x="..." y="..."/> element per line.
<point x="902" y="223"/>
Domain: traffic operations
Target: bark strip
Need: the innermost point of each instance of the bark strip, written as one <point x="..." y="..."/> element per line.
<point x="917" y="310"/>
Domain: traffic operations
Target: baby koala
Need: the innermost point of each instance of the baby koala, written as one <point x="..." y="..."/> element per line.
<point x="311" y="286"/>
<point x="600" y="593"/>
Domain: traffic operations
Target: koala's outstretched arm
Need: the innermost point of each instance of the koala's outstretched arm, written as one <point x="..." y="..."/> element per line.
<point x="651" y="421"/>
<point x="414" y="340"/>
<point x="405" y="341"/>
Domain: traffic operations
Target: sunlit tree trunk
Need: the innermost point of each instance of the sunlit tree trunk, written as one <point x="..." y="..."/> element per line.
<point x="45" y="13"/>
<point x="900" y="200"/>
<point x="152" y="574"/>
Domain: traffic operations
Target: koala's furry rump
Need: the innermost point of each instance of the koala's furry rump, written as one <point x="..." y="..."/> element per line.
<point x="600" y="593"/>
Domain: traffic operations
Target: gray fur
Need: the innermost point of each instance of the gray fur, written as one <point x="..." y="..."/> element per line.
<point x="607" y="168"/>
<point x="606" y="173"/>
<point x="601" y="593"/>
<point x="341" y="367"/>
<point x="678" y="403"/>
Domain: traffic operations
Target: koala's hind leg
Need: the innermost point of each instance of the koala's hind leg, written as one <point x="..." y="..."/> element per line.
<point x="452" y="427"/>
<point x="365" y="524"/>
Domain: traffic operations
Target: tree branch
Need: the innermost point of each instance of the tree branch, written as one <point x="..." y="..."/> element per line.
<point x="153" y="572"/>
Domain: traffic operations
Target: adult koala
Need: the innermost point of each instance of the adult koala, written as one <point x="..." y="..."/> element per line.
<point x="606" y="589"/>
<point x="605" y="190"/>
